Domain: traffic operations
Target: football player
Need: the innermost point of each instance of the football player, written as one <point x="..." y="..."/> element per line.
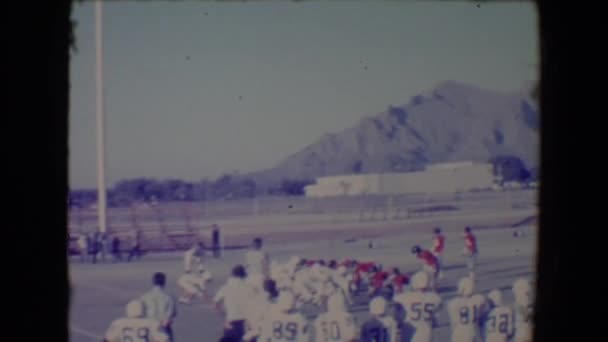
<point x="465" y="312"/>
<point x="134" y="327"/>
<point x="497" y="322"/>
<point x="337" y="324"/>
<point x="420" y="307"/>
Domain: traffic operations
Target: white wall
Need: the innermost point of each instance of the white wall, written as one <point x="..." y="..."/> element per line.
<point x="444" y="178"/>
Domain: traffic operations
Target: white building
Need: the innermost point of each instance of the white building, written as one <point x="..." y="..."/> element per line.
<point x="438" y="178"/>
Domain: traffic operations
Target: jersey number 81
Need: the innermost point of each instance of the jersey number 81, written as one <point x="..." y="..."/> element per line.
<point x="465" y="316"/>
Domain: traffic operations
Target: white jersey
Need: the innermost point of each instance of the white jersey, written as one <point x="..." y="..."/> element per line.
<point x="279" y="326"/>
<point x="465" y="314"/>
<point x="192" y="258"/>
<point x="342" y="283"/>
<point x="420" y="312"/>
<point x="257" y="262"/>
<point x="281" y="274"/>
<point x="335" y="327"/>
<point x="257" y="308"/>
<point x="135" y="329"/>
<point x="498" y="324"/>
<point x="523" y="322"/>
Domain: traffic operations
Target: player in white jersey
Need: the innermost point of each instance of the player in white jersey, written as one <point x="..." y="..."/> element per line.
<point x="522" y="290"/>
<point x="300" y="288"/>
<point x="336" y="324"/>
<point x="381" y="327"/>
<point x="497" y="322"/>
<point x="134" y="327"/>
<point x="193" y="285"/>
<point x="322" y="285"/>
<point x="258" y="307"/>
<point x="465" y="312"/>
<point x="283" y="323"/>
<point x="342" y="279"/>
<point x="420" y="306"/>
<point x="193" y="258"/>
<point x="257" y="266"/>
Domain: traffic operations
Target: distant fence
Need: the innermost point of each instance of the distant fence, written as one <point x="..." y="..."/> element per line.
<point x="195" y="218"/>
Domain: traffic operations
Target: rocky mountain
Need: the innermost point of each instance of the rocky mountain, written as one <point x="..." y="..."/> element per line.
<point x="453" y="122"/>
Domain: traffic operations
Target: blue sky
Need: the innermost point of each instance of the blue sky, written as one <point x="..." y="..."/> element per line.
<point x="194" y="89"/>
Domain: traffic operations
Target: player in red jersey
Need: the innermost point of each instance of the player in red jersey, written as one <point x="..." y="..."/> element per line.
<point x="438" y="247"/>
<point x="398" y="281"/>
<point x="378" y="280"/>
<point x="430" y="264"/>
<point x="470" y="250"/>
<point x="362" y="271"/>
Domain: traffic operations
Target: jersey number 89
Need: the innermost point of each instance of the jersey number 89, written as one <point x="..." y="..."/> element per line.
<point x="132" y="335"/>
<point x="287" y="331"/>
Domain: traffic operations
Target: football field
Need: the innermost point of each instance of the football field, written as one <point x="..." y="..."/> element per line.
<point x="101" y="291"/>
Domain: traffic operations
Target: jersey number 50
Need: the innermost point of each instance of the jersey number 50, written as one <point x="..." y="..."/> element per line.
<point x="333" y="331"/>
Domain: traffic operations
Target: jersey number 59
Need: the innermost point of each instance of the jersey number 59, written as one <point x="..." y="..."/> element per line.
<point x="132" y="335"/>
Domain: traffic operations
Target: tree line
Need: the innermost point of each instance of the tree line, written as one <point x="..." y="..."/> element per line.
<point x="228" y="187"/>
<point x="147" y="190"/>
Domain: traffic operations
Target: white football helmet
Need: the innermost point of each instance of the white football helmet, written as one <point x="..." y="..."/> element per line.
<point x="294" y="260"/>
<point x="377" y="306"/>
<point x="466" y="287"/>
<point x="521" y="291"/>
<point x="135" y="309"/>
<point x="495" y="296"/>
<point x="286" y="301"/>
<point x="420" y="281"/>
<point x="521" y="286"/>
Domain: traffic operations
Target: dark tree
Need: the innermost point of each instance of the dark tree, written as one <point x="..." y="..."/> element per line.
<point x="510" y="168"/>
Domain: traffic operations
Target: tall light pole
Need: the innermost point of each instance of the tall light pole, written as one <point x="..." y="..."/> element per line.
<point x="101" y="181"/>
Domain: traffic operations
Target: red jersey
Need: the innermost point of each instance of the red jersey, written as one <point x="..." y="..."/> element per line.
<point x="365" y="266"/>
<point x="379" y="278"/>
<point x="470" y="242"/>
<point x="399" y="281"/>
<point x="310" y="263"/>
<point x="439" y="244"/>
<point x="428" y="258"/>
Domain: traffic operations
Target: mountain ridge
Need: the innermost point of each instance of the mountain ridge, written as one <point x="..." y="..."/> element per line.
<point x="453" y="121"/>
